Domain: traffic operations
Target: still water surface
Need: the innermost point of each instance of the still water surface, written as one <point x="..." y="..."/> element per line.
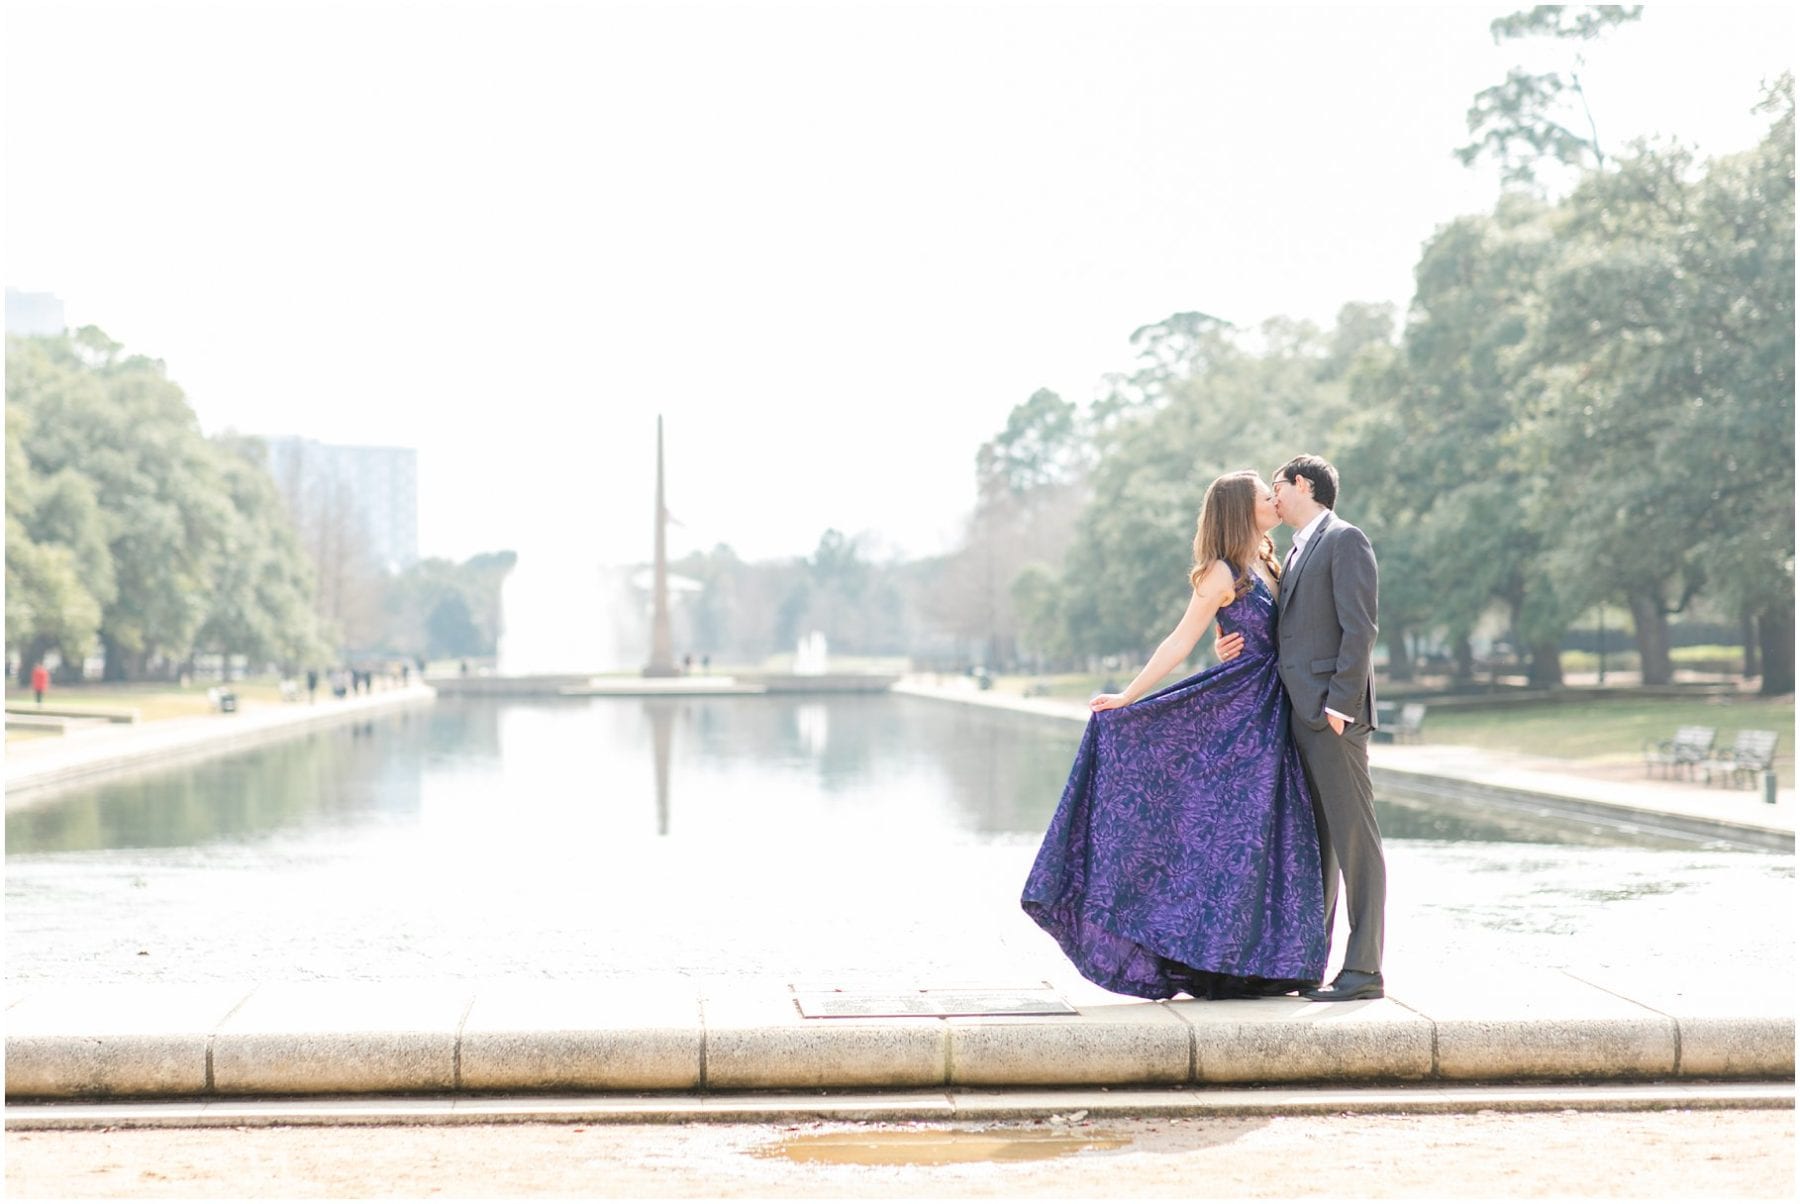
<point x="853" y="840"/>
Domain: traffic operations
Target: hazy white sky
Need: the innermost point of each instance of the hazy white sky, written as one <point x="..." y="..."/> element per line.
<point x="834" y="245"/>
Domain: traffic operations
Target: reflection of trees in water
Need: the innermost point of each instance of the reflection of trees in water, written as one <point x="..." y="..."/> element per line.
<point x="1007" y="773"/>
<point x="369" y="766"/>
<point x="999" y="772"/>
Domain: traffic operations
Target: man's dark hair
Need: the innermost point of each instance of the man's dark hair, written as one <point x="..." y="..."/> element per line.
<point x="1315" y="469"/>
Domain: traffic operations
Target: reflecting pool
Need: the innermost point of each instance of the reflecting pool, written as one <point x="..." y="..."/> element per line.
<point x="855" y="839"/>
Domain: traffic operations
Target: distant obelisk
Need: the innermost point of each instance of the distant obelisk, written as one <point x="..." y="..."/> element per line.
<point x="662" y="657"/>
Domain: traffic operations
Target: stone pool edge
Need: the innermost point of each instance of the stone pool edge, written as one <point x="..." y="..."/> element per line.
<point x="39" y="775"/>
<point x="1698" y="814"/>
<point x="200" y="1041"/>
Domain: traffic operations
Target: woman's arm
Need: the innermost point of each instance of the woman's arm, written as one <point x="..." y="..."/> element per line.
<point x="1214" y="591"/>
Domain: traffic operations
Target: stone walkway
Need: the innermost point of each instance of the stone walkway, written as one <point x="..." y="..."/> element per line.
<point x="36" y="768"/>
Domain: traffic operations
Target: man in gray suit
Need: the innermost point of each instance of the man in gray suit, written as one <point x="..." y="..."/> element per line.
<point x="1325" y="636"/>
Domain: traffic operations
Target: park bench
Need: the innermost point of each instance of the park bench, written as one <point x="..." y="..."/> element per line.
<point x="1411" y="722"/>
<point x="1396" y="722"/>
<point x="1751" y="756"/>
<point x="1689" y="747"/>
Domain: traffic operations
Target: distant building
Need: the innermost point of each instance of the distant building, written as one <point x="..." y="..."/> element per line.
<point x="374" y="488"/>
<point x="33" y="313"/>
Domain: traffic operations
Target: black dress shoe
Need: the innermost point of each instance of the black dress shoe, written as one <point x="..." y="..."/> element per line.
<point x="1348" y="985"/>
<point x="1266" y="988"/>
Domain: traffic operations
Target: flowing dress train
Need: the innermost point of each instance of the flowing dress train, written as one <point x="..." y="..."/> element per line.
<point x="1184" y="856"/>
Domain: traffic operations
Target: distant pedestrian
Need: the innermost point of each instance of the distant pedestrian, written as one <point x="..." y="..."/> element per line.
<point x="340" y="683"/>
<point x="312" y="685"/>
<point x="687" y="664"/>
<point x="405" y="674"/>
<point x="40" y="681"/>
<point x="706" y="662"/>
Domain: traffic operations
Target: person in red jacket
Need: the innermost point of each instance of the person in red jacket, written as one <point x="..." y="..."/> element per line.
<point x="40" y="681"/>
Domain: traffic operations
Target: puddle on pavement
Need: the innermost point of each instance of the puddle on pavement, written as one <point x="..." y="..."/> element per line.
<point x="934" y="1149"/>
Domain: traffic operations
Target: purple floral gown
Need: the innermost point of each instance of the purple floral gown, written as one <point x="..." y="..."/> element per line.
<point x="1184" y="856"/>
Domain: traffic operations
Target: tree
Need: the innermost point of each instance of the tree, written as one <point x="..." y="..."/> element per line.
<point x="1464" y="486"/>
<point x="438" y="608"/>
<point x="58" y="565"/>
<point x="120" y="423"/>
<point x="1216" y="406"/>
<point x="1528" y="118"/>
<point x="1664" y="359"/>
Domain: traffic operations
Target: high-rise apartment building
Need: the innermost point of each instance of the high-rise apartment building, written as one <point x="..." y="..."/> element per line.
<point x="375" y="489"/>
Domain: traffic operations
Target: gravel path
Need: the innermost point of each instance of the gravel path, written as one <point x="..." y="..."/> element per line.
<point x="1703" y="1154"/>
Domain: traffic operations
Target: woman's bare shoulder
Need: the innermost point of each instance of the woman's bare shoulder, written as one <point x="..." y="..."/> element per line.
<point x="1218" y="583"/>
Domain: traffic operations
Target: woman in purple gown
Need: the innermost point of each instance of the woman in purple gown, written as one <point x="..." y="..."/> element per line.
<point x="1183" y="856"/>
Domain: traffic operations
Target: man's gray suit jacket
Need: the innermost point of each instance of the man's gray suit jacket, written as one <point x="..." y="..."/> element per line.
<point x="1326" y="625"/>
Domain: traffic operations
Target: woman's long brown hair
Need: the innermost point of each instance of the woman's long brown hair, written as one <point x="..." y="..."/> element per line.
<point x="1227" y="528"/>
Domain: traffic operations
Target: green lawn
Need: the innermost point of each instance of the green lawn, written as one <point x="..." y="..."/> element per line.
<point x="1612" y="729"/>
<point x="154" y="700"/>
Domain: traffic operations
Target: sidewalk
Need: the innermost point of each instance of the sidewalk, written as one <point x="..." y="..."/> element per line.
<point x="1484" y="777"/>
<point x="35" y="767"/>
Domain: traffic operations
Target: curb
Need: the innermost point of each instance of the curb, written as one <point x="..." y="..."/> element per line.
<point x="1056" y="1107"/>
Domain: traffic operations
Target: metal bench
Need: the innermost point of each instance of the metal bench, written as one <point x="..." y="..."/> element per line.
<point x="1751" y="756"/>
<point x="1690" y="747"/>
<point x="1410" y="723"/>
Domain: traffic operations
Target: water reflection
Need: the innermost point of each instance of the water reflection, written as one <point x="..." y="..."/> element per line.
<point x="698" y="767"/>
<point x="320" y="779"/>
<point x="662" y="727"/>
<point x="578" y="837"/>
<point x="1449" y="821"/>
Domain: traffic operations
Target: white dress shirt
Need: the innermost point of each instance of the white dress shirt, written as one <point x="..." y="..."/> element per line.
<point x="1301" y="537"/>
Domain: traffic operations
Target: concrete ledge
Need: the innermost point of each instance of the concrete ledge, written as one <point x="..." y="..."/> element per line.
<point x="134" y="1040"/>
<point x="102" y="714"/>
<point x="318" y="1038"/>
<point x="39" y="769"/>
<point x="209" y="1042"/>
<point x="574" y="1036"/>
<point x="62" y="725"/>
<point x="1106" y="1044"/>
<point x="1542" y="1024"/>
<point x="1413" y="786"/>
<point x="757" y="1039"/>
<point x="1292" y="1040"/>
<point x="1720" y="1028"/>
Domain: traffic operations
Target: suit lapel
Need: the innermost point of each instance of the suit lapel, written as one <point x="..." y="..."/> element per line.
<point x="1306" y="554"/>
